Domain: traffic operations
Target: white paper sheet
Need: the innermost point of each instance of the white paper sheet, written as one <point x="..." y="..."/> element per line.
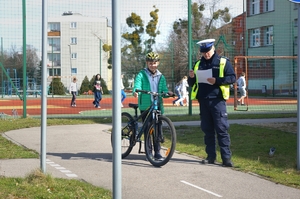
<point x="203" y="75"/>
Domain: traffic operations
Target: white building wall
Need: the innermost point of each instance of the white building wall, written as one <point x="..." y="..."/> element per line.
<point x="88" y="32"/>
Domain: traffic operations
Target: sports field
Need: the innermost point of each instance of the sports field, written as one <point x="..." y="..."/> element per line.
<point x="60" y="106"/>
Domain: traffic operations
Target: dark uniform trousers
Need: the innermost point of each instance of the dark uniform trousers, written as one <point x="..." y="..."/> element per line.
<point x="213" y="116"/>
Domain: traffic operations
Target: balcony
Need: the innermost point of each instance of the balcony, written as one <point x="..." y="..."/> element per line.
<point x="54" y="33"/>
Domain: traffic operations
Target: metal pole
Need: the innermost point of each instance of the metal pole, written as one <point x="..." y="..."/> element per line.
<point x="2" y="60"/>
<point x="70" y="51"/>
<point x="52" y="68"/>
<point x="116" y="55"/>
<point x="24" y="59"/>
<point x="298" y="99"/>
<point x="190" y="49"/>
<point x="100" y="49"/>
<point x="44" y="87"/>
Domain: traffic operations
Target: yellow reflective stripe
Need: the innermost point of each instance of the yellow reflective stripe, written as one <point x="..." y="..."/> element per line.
<point x="195" y="86"/>
<point x="224" y="88"/>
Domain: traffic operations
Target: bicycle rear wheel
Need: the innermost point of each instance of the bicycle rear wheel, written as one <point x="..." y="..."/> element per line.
<point x="160" y="142"/>
<point x="127" y="134"/>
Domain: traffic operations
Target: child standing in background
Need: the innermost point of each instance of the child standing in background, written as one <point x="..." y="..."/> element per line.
<point x="97" y="91"/>
<point x="73" y="91"/>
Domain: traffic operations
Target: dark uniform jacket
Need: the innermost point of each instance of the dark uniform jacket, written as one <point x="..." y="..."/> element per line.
<point x="207" y="91"/>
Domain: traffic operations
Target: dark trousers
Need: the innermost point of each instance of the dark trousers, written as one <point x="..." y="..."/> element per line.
<point x="73" y="101"/>
<point x="214" y="122"/>
<point x="98" y="98"/>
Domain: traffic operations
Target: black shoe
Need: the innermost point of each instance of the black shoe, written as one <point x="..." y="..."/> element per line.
<point x="238" y="102"/>
<point x="209" y="161"/>
<point x="227" y="163"/>
<point x="157" y="156"/>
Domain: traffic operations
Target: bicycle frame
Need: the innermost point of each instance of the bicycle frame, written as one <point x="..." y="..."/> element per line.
<point x="154" y="126"/>
<point x="153" y="112"/>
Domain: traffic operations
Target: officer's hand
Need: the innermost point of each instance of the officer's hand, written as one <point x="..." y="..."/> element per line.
<point x="211" y="80"/>
<point x="191" y="73"/>
<point x="135" y="94"/>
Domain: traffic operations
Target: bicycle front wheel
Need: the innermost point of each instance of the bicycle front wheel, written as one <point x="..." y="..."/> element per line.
<point x="160" y="142"/>
<point x="127" y="134"/>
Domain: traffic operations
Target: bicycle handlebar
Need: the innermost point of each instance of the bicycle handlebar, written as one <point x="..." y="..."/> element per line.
<point x="167" y="94"/>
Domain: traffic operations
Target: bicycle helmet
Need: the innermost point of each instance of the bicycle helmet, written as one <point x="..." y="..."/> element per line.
<point x="152" y="56"/>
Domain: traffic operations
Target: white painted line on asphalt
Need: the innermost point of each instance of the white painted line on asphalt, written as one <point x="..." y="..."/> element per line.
<point x="55" y="165"/>
<point x="61" y="169"/>
<point x="201" y="189"/>
<point x="72" y="175"/>
<point x="66" y="171"/>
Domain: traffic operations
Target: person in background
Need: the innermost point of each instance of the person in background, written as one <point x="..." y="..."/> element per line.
<point x="212" y="93"/>
<point x="150" y="79"/>
<point x="242" y="88"/>
<point x="184" y="92"/>
<point x="97" y="91"/>
<point x="177" y="91"/>
<point x="123" y="94"/>
<point x="73" y="91"/>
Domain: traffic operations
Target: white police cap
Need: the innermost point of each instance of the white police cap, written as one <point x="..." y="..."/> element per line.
<point x="206" y="45"/>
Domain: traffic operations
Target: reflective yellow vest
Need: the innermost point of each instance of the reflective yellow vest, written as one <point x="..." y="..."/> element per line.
<point x="224" y="88"/>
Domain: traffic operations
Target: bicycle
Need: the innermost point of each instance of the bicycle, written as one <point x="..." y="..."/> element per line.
<point x="159" y="133"/>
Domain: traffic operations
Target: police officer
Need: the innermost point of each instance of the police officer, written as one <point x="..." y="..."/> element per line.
<point x="212" y="93"/>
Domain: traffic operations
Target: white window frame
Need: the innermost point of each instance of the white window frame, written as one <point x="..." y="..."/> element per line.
<point x="54" y="27"/>
<point x="269" y="35"/>
<point x="74" y="70"/>
<point x="73" y="55"/>
<point x="73" y="25"/>
<point x="255" y="7"/>
<point x="268" y="5"/>
<point x="255" y="37"/>
<point x="73" y="40"/>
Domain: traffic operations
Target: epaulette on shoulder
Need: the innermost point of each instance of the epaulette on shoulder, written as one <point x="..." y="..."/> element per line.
<point x="225" y="58"/>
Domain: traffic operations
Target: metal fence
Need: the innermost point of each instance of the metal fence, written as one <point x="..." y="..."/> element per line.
<point x="79" y="45"/>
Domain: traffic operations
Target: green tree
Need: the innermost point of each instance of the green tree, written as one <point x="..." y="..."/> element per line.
<point x="108" y="48"/>
<point x="217" y="15"/>
<point x="135" y="48"/>
<point x="151" y="30"/>
<point x="57" y="87"/>
<point x="201" y="26"/>
<point x="85" y="85"/>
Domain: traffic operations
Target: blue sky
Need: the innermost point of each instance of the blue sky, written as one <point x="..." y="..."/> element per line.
<point x="11" y="12"/>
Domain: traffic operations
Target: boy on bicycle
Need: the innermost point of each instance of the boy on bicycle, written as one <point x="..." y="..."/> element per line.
<point x="151" y="79"/>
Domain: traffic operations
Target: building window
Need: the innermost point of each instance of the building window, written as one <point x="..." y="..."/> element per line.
<point x="255" y="38"/>
<point x="73" y="25"/>
<point x="269" y="35"/>
<point x="254" y="7"/>
<point x="268" y="5"/>
<point x="295" y="22"/>
<point x="73" y="40"/>
<point x="74" y="70"/>
<point x="295" y="40"/>
<point x="54" y="27"/>
<point x="54" y="59"/>
<point x="54" y="72"/>
<point x="74" y="55"/>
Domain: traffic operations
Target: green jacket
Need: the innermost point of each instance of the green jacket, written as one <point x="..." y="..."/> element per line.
<point x="142" y="82"/>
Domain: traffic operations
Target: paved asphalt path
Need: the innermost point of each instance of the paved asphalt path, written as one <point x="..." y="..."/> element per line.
<point x="84" y="152"/>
